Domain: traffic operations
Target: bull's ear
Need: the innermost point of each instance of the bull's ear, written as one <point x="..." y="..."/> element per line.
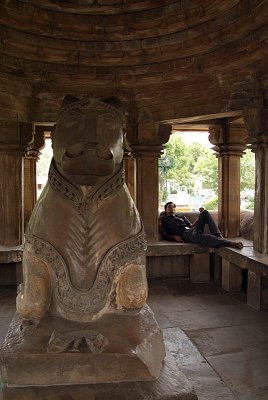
<point x="52" y="134"/>
<point x="68" y="99"/>
<point x="115" y="102"/>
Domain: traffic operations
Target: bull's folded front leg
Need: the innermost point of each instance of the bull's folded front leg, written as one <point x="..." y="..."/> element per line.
<point x="34" y="294"/>
<point x="132" y="288"/>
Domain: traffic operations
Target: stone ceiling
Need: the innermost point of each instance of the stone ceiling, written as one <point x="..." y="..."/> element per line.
<point x="153" y="48"/>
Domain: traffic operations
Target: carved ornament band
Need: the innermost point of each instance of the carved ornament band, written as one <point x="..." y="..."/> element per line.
<point x="93" y="300"/>
<point x="94" y="198"/>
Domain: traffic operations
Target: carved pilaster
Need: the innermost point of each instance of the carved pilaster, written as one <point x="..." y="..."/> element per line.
<point x="256" y="121"/>
<point x="31" y="157"/>
<point x="230" y="144"/>
<point x="15" y="137"/>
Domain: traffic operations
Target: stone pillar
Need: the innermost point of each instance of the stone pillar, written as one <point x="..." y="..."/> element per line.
<point x="256" y="121"/>
<point x="229" y="146"/>
<point x="130" y="174"/>
<point x="148" y="187"/>
<point x="146" y="139"/>
<point x="15" y="137"/>
<point x="31" y="157"/>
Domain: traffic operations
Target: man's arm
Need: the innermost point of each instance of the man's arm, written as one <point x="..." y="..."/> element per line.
<point x="187" y="222"/>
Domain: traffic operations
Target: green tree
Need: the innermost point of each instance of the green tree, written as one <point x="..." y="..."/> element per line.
<point x="206" y="167"/>
<point x="195" y="152"/>
<point x="247" y="171"/>
<point x="212" y="204"/>
<point x="250" y="204"/>
<point x="43" y="163"/>
<point x="176" y="163"/>
<point x="183" y="164"/>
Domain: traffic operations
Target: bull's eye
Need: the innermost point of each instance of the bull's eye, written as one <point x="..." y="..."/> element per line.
<point x="103" y="152"/>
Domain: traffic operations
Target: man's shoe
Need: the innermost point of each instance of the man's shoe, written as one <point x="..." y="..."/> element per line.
<point x="236" y="245"/>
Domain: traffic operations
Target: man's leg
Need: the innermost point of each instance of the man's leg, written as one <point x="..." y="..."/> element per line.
<point x="216" y="242"/>
<point x="206" y="218"/>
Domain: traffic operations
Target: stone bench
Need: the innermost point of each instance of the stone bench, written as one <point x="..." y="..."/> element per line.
<point x="236" y="262"/>
<point x="227" y="265"/>
<point x="185" y="260"/>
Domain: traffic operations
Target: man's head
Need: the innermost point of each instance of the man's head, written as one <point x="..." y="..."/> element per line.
<point x="170" y="207"/>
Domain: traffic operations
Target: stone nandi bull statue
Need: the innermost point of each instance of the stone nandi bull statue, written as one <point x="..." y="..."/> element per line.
<point x="81" y="315"/>
<point x="84" y="282"/>
<point x="84" y="251"/>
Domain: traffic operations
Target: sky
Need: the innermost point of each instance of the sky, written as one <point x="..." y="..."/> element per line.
<point x="195" y="137"/>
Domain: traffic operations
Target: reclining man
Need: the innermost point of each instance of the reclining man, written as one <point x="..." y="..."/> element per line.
<point x="179" y="229"/>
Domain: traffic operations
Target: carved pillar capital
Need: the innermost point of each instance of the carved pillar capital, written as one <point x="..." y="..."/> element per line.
<point x="228" y="140"/>
<point x="15" y="137"/>
<point x="33" y="149"/>
<point x="152" y="151"/>
<point x="256" y="122"/>
<point x="148" y="133"/>
<point x="32" y="154"/>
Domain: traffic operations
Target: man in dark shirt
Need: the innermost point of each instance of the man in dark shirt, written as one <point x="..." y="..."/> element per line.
<point x="179" y="229"/>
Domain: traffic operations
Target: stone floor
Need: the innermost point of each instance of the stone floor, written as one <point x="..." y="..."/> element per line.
<point x="218" y="342"/>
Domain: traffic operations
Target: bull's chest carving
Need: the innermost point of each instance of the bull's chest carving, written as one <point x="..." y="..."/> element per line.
<point x="88" y="236"/>
<point x="85" y="239"/>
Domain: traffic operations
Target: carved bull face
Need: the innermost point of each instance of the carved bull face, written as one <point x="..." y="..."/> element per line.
<point x="88" y="141"/>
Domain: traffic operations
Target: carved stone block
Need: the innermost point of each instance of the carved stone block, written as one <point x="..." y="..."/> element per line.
<point x="115" y="348"/>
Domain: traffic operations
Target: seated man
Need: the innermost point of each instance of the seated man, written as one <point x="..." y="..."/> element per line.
<point x="180" y="229"/>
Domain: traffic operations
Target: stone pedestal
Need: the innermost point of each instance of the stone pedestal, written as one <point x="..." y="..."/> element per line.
<point x="115" y="348"/>
<point x="171" y="384"/>
<point x="117" y="357"/>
